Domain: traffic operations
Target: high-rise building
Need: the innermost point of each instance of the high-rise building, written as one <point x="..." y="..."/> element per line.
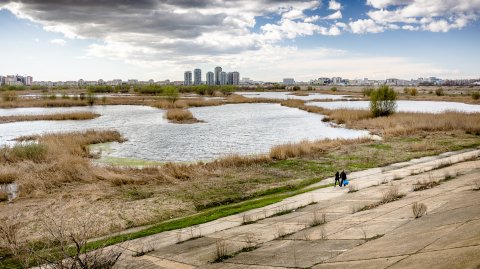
<point x="235" y="78"/>
<point x="187" y="78"/>
<point x="28" y="81"/>
<point x="210" y="78"/>
<point x="197" y="76"/>
<point x="288" y="81"/>
<point x="223" y="78"/>
<point x="230" y="78"/>
<point x="218" y="70"/>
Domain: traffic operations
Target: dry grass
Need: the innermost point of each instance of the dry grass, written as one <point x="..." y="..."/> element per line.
<point x="310" y="148"/>
<point x="177" y="115"/>
<point x="405" y="124"/>
<point x="398" y="124"/>
<point x="53" y="160"/>
<point x="425" y="185"/>
<point x="60" y="116"/>
<point x="419" y="209"/>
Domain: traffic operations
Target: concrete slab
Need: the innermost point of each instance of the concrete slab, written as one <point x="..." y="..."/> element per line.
<point x="368" y="229"/>
<point x="361" y="264"/>
<point x="457" y="258"/>
<point x="295" y="253"/>
<point x="410" y="240"/>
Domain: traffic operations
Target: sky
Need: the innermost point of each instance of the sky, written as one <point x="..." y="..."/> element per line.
<point x="265" y="40"/>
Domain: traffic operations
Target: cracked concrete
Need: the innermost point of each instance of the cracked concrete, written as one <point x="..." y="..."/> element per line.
<point x="387" y="236"/>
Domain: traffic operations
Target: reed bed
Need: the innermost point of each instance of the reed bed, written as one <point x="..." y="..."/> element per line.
<point x="310" y="148"/>
<point x="59" y="116"/>
<point x="178" y="115"/>
<point x="405" y="124"/>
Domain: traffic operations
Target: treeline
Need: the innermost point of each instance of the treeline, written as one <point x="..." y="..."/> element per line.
<point x="198" y="89"/>
<point x="108" y="89"/>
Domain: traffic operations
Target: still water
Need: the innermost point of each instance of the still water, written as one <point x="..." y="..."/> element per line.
<point x="405" y="106"/>
<point x="289" y="95"/>
<point x="241" y="129"/>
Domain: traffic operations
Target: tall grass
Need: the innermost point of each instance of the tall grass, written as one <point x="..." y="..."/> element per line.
<point x="60" y="116"/>
<point x="177" y="115"/>
<point x="308" y="148"/>
<point x="53" y="159"/>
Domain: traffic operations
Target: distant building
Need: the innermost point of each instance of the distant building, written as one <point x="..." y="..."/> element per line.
<point x="210" y="78"/>
<point x="81" y="82"/>
<point x="197" y="76"/>
<point x="336" y="80"/>
<point x="392" y="81"/>
<point x="2" y="80"/>
<point x="230" y="78"/>
<point x="187" y="78"/>
<point x="28" y="81"/>
<point x="223" y="78"/>
<point x="218" y="70"/>
<point x="288" y="81"/>
<point x="235" y="78"/>
<point x="132" y="81"/>
<point x="101" y="82"/>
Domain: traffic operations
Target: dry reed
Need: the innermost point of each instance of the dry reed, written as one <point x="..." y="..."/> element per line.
<point x="309" y="148"/>
<point x="177" y="115"/>
<point x="60" y="116"/>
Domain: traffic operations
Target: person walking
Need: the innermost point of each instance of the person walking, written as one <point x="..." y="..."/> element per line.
<point x="337" y="179"/>
<point x="343" y="177"/>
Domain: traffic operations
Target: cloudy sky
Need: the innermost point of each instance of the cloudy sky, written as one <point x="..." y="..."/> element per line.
<point x="262" y="39"/>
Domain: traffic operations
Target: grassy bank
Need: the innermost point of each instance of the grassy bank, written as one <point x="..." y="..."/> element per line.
<point x="59" y="116"/>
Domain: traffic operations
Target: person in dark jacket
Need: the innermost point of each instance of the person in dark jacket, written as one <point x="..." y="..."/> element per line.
<point x="337" y="179"/>
<point x="343" y="177"/>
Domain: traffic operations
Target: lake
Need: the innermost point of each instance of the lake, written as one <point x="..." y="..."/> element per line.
<point x="228" y="129"/>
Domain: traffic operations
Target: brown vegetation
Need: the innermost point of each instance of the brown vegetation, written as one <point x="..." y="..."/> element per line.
<point x="60" y="116"/>
<point x="177" y="115"/>
<point x="309" y="148"/>
<point x="419" y="209"/>
<point x="52" y="160"/>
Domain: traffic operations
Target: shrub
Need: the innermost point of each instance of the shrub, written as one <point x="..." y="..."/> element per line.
<point x="296" y="88"/>
<point x="475" y="95"/>
<point x="419" y="209"/>
<point x="3" y="196"/>
<point x="439" y="92"/>
<point x="383" y="101"/>
<point x="90" y="99"/>
<point x="170" y="93"/>
<point x="9" y="96"/>
<point x="367" y="91"/>
<point x="32" y="151"/>
<point x="333" y="89"/>
<point x="411" y="91"/>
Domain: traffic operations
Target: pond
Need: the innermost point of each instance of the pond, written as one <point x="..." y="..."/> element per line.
<point x="405" y="106"/>
<point x="289" y="95"/>
<point x="229" y="129"/>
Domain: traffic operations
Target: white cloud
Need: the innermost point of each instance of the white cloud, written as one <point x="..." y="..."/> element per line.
<point x="432" y="15"/>
<point x="334" y="16"/>
<point x="365" y="26"/>
<point x="334" y="5"/>
<point x="58" y="41"/>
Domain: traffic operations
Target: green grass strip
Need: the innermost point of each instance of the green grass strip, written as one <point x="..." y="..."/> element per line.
<point x="200" y="218"/>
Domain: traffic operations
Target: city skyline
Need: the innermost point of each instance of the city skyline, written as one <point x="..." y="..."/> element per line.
<point x="264" y="40"/>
